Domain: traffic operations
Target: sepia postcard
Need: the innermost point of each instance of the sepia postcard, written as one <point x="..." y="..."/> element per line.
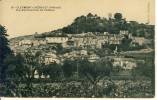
<point x="77" y="49"/>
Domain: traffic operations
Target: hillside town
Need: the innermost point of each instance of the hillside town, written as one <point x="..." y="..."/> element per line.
<point x="92" y="57"/>
<point x="80" y="46"/>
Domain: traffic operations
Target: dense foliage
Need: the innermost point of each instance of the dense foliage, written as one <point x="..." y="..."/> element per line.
<point x="4" y="51"/>
<point x="93" y="79"/>
<point x="75" y="89"/>
<point x="94" y="23"/>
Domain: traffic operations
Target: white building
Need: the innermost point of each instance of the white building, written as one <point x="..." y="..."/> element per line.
<point x="84" y="52"/>
<point x="27" y="43"/>
<point x="115" y="39"/>
<point x="124" y="63"/>
<point x="49" y="58"/>
<point x="56" y="39"/>
<point x="124" y="32"/>
<point x="139" y="40"/>
<point x="93" y="58"/>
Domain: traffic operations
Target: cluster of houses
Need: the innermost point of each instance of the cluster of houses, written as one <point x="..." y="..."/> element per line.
<point x="83" y="41"/>
<point x="52" y="56"/>
<point x="125" y="63"/>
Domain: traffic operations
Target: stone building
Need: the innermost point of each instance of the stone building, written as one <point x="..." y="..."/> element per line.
<point x="124" y="63"/>
<point x="40" y="41"/>
<point x="93" y="57"/>
<point x="139" y="40"/>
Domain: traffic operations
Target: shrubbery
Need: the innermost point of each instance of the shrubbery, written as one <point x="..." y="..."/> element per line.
<point x="106" y="88"/>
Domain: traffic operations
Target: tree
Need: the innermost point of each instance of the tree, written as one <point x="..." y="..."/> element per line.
<point x="59" y="48"/>
<point x="21" y="68"/>
<point x="25" y="65"/>
<point x="15" y="67"/>
<point x="15" y="73"/>
<point x="69" y="67"/>
<point x="118" y="16"/>
<point x="95" y="71"/>
<point x="125" y="45"/>
<point x="4" y="51"/>
<point x="53" y="70"/>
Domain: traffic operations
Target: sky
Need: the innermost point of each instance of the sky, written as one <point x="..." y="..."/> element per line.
<point x="19" y="23"/>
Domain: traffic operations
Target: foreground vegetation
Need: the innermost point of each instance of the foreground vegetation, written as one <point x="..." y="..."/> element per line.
<point x="105" y="88"/>
<point x="78" y="78"/>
